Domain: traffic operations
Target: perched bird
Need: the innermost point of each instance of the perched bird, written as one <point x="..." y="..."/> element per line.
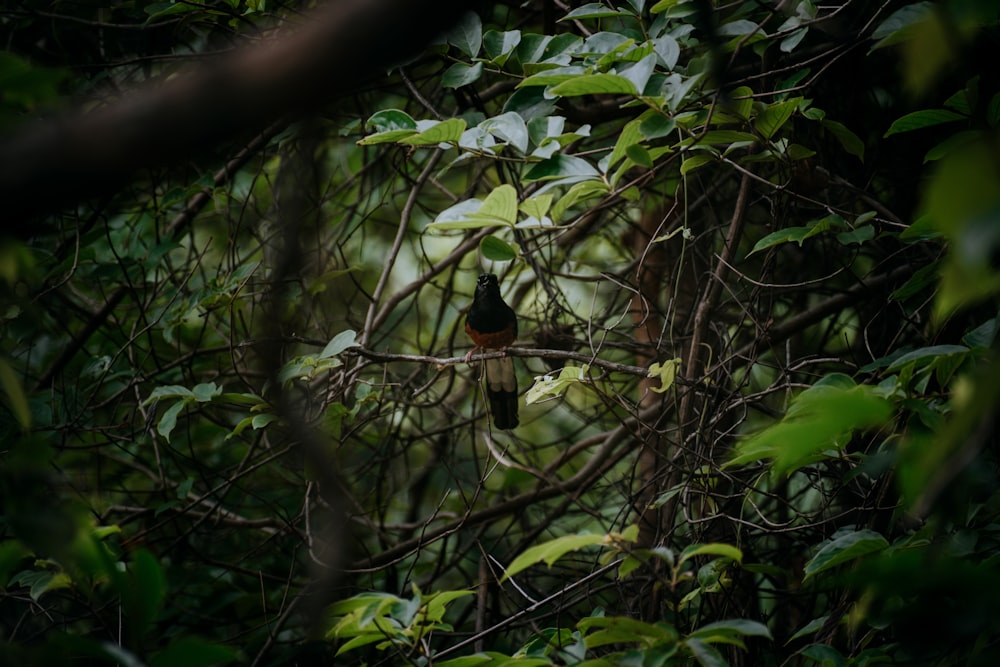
<point x="492" y="325"/>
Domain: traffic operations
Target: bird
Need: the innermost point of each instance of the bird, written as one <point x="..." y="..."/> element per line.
<point x="492" y="325"/>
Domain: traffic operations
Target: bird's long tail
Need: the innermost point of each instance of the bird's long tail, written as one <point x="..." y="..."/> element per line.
<point x="501" y="389"/>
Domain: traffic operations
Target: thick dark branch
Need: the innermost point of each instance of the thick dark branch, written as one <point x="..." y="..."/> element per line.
<point x="48" y="164"/>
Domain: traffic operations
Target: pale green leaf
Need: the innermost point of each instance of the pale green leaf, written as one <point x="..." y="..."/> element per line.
<point x="169" y="419"/>
<point x="666" y="372"/>
<point x="461" y="74"/>
<point x="168" y="391"/>
<point x="538" y="206"/>
<point x="499" y="45"/>
<point x="712" y="549"/>
<point x="595" y="84"/>
<point x="548" y="386"/>
<point x="467" y="34"/>
<point x="551" y="551"/>
<point x="499" y="206"/>
<point x="446" y="131"/>
<point x="344" y="340"/>
<point x="206" y="391"/>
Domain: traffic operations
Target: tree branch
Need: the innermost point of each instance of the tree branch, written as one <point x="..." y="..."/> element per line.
<point x="47" y="164"/>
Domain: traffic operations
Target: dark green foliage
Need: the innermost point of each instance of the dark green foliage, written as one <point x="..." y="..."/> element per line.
<point x="753" y="249"/>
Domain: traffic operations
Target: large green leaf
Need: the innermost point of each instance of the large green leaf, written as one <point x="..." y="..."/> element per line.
<point x="595" y="84"/>
<point x="446" y="131"/>
<point x="774" y="116"/>
<point x="844" y="549"/>
<point x="551" y="551"/>
<point x="820" y="420"/>
<point x="467" y="34"/>
<point x="921" y="119"/>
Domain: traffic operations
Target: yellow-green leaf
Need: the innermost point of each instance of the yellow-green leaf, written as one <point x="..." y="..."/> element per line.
<point x="551" y="551"/>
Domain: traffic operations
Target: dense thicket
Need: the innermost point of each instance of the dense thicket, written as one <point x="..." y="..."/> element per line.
<point x="753" y="251"/>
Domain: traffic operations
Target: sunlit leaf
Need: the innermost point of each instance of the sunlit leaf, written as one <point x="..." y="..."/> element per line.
<point x="666" y="372"/>
<point x="446" y="131"/>
<point x="551" y="551"/>
<point x="595" y="84"/>
<point x="549" y="386"/>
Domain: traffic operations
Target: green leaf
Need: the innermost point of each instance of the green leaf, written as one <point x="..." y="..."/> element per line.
<point x="697" y="160"/>
<point x="577" y="193"/>
<point x="858" y="235"/>
<point x="926" y="355"/>
<point x="799" y="234"/>
<point x="844" y="549"/>
<point x="467" y="34"/>
<point x="721" y="629"/>
<point x="446" y="131"/>
<point x="595" y="84"/>
<point x="263" y="419"/>
<point x="500" y="206"/>
<point x="638" y="154"/>
<point x="206" y="391"/>
<point x="553" y="76"/>
<point x="168" y="391"/>
<point x="343" y="341"/>
<point x="564" y="167"/>
<point x="848" y="140"/>
<point x="668" y="50"/>
<point x="713" y="549"/>
<point x="774" y="116"/>
<point x="706" y="655"/>
<point x="551" y="551"/>
<point x="547" y="386"/>
<point x="169" y="419"/>
<point x="40" y="582"/>
<point x="537" y="207"/>
<point x="821" y="418"/>
<point x="894" y="28"/>
<point x="921" y="119"/>
<point x="629" y="135"/>
<point x="510" y="127"/>
<point x="667" y="372"/>
<point x="389" y="120"/>
<point x="737" y="28"/>
<point x="499" y="45"/>
<point x="460" y="74"/>
<point x="604" y="630"/>
<point x="496" y="250"/>
<point x="593" y="10"/>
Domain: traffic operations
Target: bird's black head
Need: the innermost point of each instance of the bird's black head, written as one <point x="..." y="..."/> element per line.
<point x="487" y="285"/>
